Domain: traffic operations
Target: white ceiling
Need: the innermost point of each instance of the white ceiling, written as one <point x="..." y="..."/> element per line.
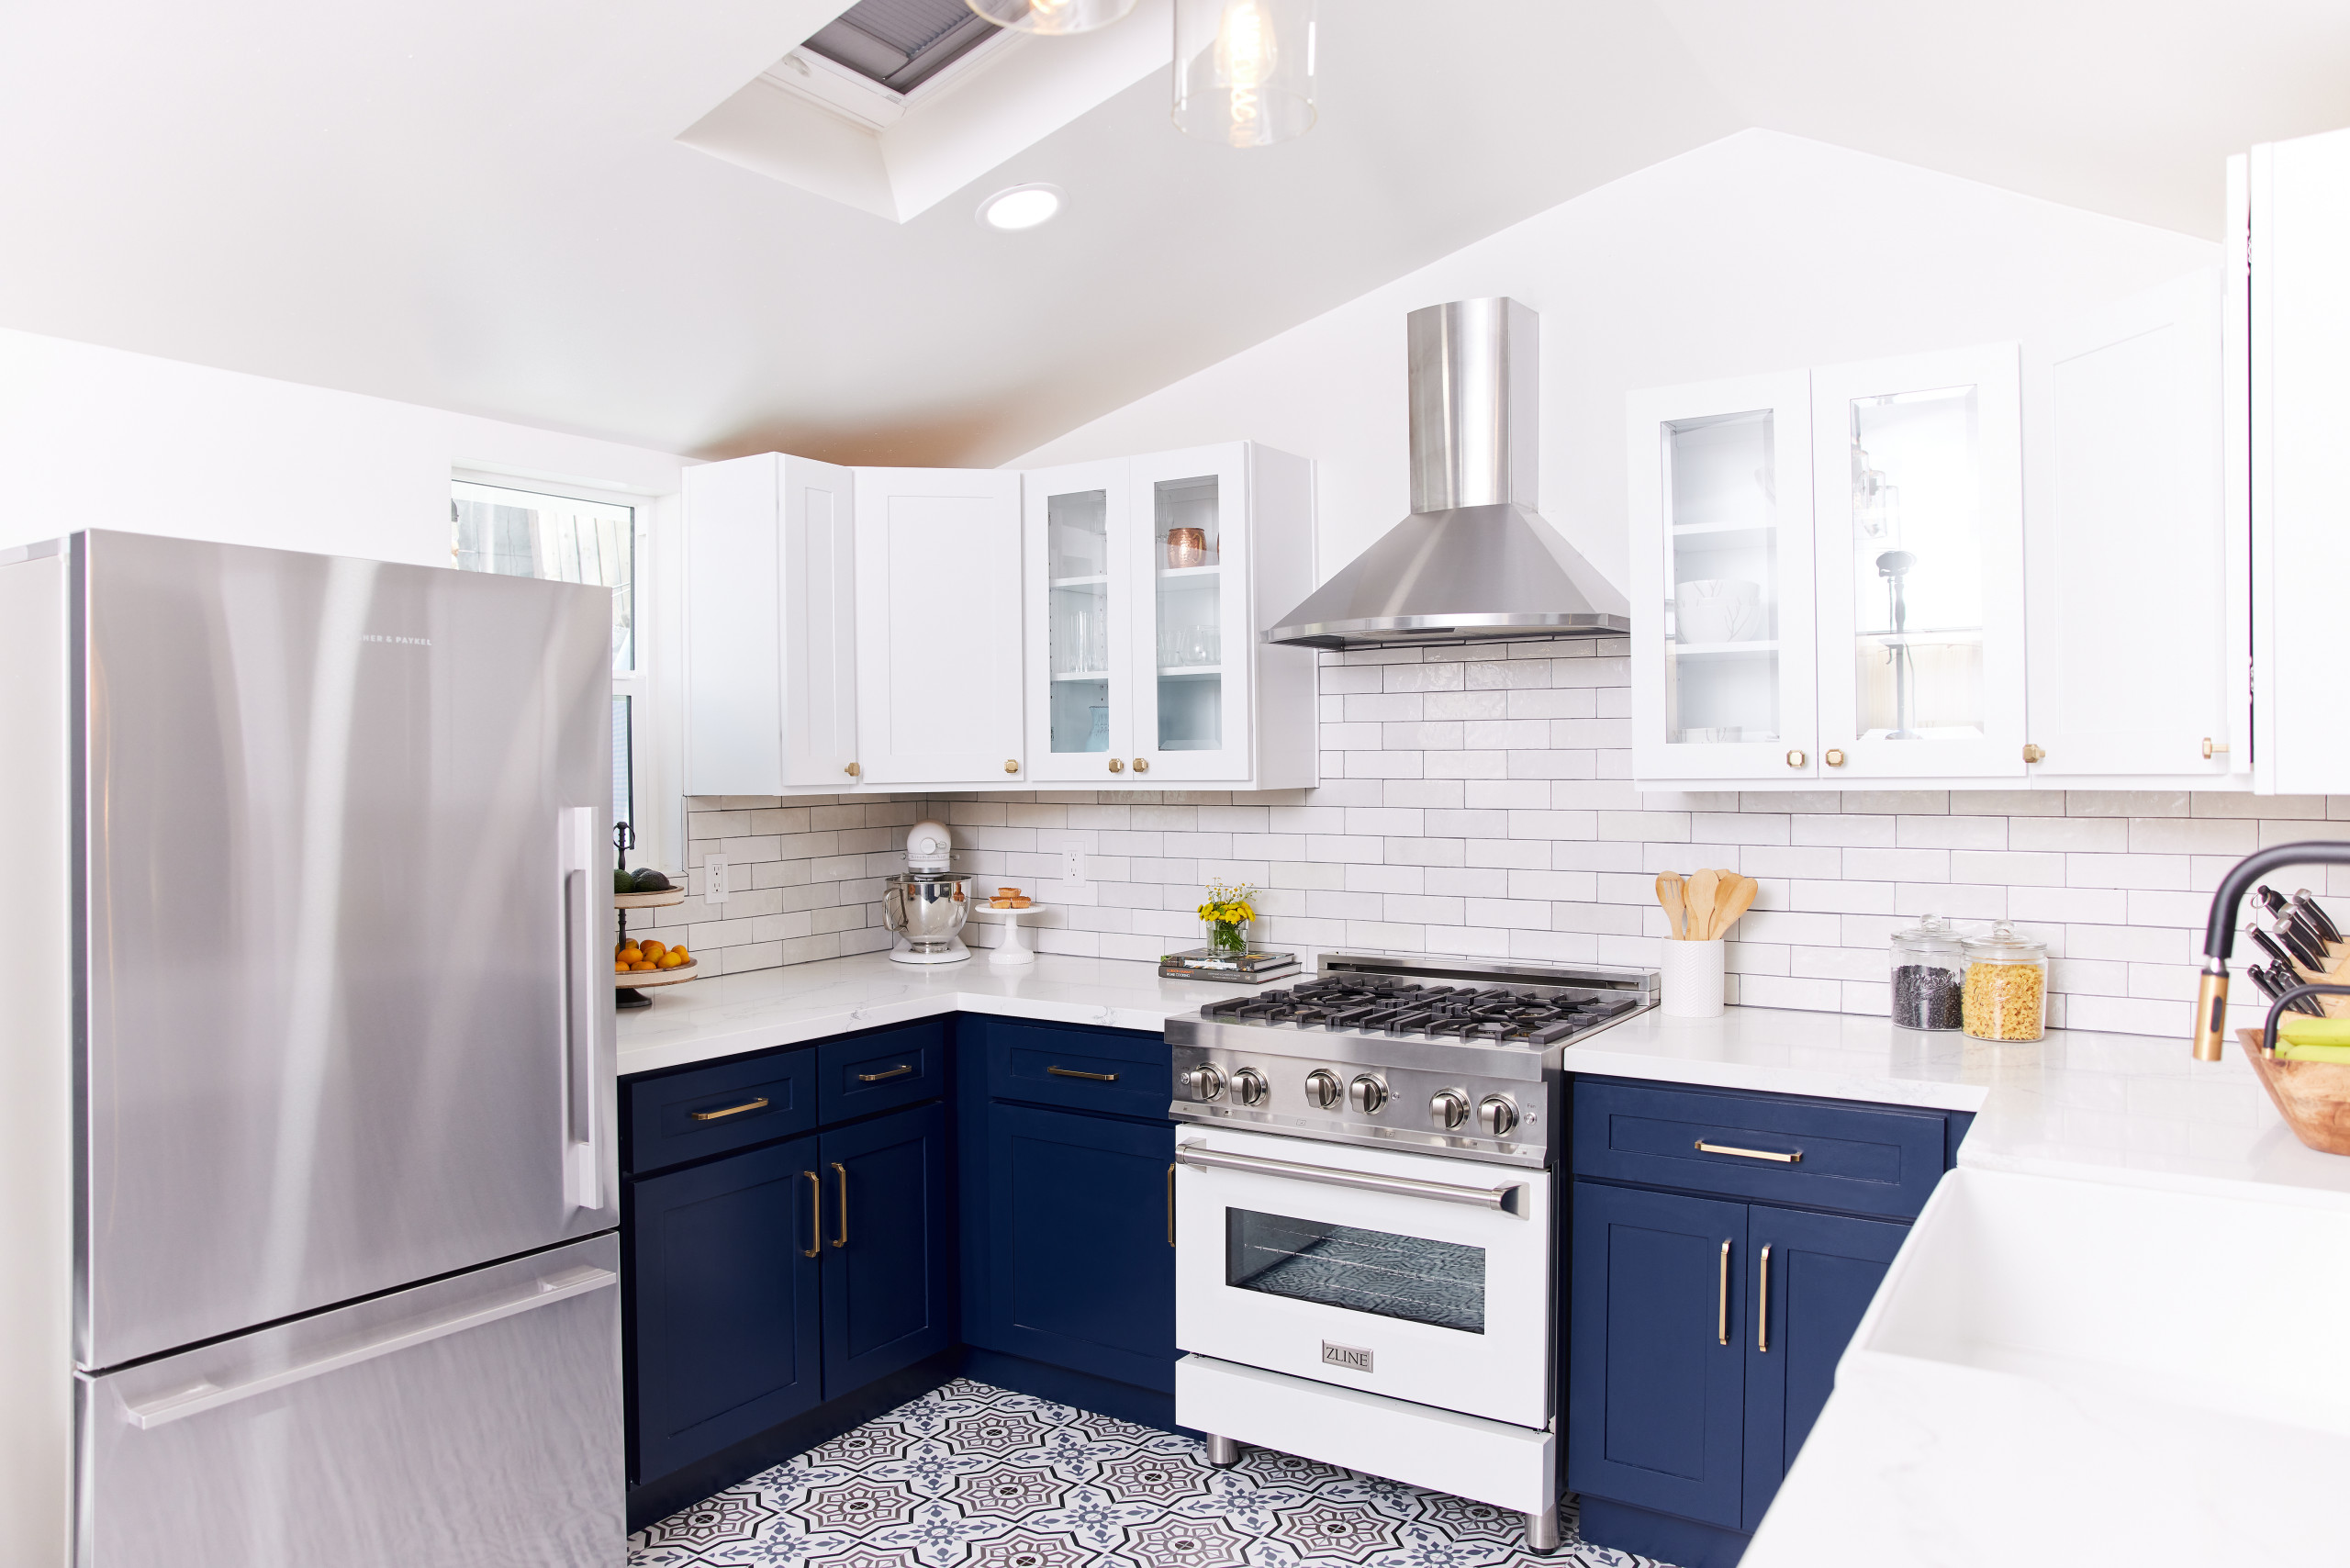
<point x="479" y="204"/>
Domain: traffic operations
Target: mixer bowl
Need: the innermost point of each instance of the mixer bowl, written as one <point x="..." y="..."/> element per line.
<point x="926" y="908"/>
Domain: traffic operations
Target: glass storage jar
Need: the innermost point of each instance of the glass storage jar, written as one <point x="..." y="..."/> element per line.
<point x="2006" y="991"/>
<point x="1927" y="969"/>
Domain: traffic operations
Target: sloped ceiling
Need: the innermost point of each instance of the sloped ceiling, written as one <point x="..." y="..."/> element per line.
<point x="479" y="204"/>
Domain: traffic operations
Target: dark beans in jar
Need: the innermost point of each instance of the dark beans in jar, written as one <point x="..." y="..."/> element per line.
<point x="1925" y="996"/>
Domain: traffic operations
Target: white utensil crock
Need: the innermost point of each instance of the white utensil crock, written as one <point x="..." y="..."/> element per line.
<point x="1693" y="978"/>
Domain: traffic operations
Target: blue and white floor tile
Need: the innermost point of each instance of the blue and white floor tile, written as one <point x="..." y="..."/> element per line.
<point x="971" y="1476"/>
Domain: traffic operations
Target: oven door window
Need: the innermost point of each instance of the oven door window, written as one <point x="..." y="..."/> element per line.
<point x="1442" y="1282"/>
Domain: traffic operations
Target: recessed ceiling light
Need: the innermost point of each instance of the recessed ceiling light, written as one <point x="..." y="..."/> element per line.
<point x="1022" y="207"/>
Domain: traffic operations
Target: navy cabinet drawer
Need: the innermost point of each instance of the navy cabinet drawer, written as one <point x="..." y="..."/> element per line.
<point x="880" y="1071"/>
<point x="726" y="1106"/>
<point x="1117" y="1070"/>
<point x="1867" y="1160"/>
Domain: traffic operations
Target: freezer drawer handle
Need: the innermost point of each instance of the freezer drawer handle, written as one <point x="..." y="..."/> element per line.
<point x="758" y="1105"/>
<point x="211" y="1396"/>
<point x="1089" y="1077"/>
<point x="898" y="1072"/>
<point x="1199" y="1155"/>
<point x="1793" y="1158"/>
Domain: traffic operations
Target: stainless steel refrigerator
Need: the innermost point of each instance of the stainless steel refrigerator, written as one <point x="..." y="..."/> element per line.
<point x="338" y="1180"/>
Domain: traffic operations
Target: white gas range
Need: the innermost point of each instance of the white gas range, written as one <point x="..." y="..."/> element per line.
<point x="1367" y="1226"/>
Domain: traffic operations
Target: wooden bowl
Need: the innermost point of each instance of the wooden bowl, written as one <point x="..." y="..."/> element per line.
<point x="2312" y="1096"/>
<point x="636" y="979"/>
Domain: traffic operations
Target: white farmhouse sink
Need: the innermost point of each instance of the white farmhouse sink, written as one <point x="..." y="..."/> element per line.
<point x="2082" y="1373"/>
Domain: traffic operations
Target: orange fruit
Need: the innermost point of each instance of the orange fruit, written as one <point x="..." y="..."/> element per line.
<point x="654" y="950"/>
<point x="642" y="965"/>
<point x="619" y="966"/>
<point x="683" y="956"/>
<point x="672" y="961"/>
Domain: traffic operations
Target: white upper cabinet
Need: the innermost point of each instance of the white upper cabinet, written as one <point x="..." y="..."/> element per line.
<point x="1148" y="581"/>
<point x="771" y="627"/>
<point x="1919" y="480"/>
<point x="938" y="619"/>
<point x="2136" y="584"/>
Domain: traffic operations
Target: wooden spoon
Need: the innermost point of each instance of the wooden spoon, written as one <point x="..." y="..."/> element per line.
<point x="1703" y="889"/>
<point x="1668" y="894"/>
<point x="1737" y="896"/>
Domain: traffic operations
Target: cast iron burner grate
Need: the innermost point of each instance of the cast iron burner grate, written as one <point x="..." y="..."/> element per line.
<point x="1383" y="1004"/>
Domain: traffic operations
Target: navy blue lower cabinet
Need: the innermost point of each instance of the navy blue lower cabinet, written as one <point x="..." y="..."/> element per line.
<point x="1657" y="1352"/>
<point x="889" y="1268"/>
<point x="1080" y="1269"/>
<point x="723" y="1280"/>
<point x="1820" y="1274"/>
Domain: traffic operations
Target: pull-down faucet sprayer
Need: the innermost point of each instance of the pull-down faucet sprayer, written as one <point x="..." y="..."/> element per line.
<point x="2220" y="931"/>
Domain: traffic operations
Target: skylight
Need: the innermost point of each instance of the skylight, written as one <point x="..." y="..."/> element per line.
<point x="900" y="43"/>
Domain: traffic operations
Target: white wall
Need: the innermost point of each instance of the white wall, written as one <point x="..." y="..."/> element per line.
<point x="1759" y="251"/>
<point x="95" y="437"/>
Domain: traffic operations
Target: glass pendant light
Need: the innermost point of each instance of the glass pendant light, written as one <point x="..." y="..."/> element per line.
<point x="1054" y="18"/>
<point x="1243" y="70"/>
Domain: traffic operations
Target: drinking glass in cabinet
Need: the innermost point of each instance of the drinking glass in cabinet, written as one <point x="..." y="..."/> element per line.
<point x="1078" y="622"/>
<point x="1721" y="559"/>
<point x="1916" y="546"/>
<point x="1188" y="557"/>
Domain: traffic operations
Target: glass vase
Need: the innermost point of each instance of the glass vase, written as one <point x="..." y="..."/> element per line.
<point x="1229" y="936"/>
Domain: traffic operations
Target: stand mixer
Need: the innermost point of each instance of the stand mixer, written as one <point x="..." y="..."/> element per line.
<point x="925" y="905"/>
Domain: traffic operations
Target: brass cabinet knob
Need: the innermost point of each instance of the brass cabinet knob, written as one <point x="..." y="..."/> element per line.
<point x="852" y="770"/>
<point x="1012" y="764"/>
<point x="1832" y="759"/>
<point x="1794" y="759"/>
<point x="1116" y="766"/>
<point x="2212" y="748"/>
<point x="2033" y="753"/>
<point x="1141" y="765"/>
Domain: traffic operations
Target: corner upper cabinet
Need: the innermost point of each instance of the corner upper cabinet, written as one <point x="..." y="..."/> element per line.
<point x="1721" y="484"/>
<point x="770" y="626"/>
<point x="938" y="613"/>
<point x="1148" y="580"/>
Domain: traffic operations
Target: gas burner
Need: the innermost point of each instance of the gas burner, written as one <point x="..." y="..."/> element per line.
<point x="1532" y="1015"/>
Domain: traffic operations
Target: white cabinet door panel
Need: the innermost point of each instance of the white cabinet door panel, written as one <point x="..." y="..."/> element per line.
<point x="2130" y="563"/>
<point x="1080" y="677"/>
<point x="1193" y="644"/>
<point x="938" y="619"/>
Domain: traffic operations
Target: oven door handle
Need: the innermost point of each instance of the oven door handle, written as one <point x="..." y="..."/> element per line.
<point x="1199" y="1155"/>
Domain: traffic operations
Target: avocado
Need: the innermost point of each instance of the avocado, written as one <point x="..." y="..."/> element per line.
<point x="623" y="881"/>
<point x="649" y="881"/>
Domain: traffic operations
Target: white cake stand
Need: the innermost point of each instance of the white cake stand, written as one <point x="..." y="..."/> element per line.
<point x="1014" y="950"/>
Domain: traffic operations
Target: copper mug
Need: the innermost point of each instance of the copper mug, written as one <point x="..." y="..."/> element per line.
<point x="1187" y="547"/>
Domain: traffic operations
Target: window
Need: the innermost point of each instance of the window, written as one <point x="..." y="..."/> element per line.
<point x="570" y="539"/>
<point x="900" y="43"/>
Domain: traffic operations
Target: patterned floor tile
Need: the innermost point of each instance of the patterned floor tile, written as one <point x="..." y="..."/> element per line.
<point x="971" y="1476"/>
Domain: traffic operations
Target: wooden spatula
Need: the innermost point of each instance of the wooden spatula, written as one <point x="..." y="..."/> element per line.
<point x="1704" y="887"/>
<point x="1668" y="894"/>
<point x="1736" y="897"/>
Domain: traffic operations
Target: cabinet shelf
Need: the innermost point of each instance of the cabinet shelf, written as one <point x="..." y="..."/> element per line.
<point x="1081" y="675"/>
<point x="1188" y="574"/>
<point x="1709" y="650"/>
<point x="1722" y="531"/>
<point x="1099" y="581"/>
<point x="1189" y="672"/>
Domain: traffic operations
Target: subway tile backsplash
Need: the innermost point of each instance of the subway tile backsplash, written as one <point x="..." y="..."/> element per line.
<point x="1475" y="802"/>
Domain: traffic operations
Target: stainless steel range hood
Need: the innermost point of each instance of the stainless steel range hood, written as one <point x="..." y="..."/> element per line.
<point x="1474" y="562"/>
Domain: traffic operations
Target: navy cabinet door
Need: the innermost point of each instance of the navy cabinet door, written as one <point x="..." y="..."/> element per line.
<point x="1823" y="1270"/>
<point x="888" y="1252"/>
<point x="722" y="1302"/>
<point x="1080" y="1270"/>
<point x="1654" y="1393"/>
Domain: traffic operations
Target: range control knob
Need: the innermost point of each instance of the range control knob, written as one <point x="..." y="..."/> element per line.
<point x="1367" y="1094"/>
<point x="1205" y="1082"/>
<point x="1497" y="1115"/>
<point x="1322" y="1087"/>
<point x="1248" y="1086"/>
<point x="1447" y="1108"/>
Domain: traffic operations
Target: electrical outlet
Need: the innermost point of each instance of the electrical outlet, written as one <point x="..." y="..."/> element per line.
<point x="713" y="880"/>
<point x="1073" y="867"/>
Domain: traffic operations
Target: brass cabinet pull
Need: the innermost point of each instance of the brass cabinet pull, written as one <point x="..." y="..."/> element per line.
<point x="842" y="1171"/>
<point x="1170" y="1204"/>
<point x="1794" y="759"/>
<point x="1721" y="1307"/>
<point x="1141" y="765"/>
<point x="852" y="770"/>
<point x="1117" y="764"/>
<point x="1832" y="759"/>
<point x="758" y="1105"/>
<point x="815" y="1214"/>
<point x="900" y="1070"/>
<point x="2212" y="748"/>
<point x="2033" y="753"/>
<point x="1794" y="1159"/>
<point x="1089" y="1077"/>
<point x="1762" y="1305"/>
<point x="1012" y="764"/>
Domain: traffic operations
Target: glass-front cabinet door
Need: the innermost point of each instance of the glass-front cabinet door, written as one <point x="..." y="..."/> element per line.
<point x="1919" y="549"/>
<point x="1188" y="579"/>
<point x="1078" y="559"/>
<point x="1720" y="486"/>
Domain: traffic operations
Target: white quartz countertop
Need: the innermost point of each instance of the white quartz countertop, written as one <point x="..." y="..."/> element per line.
<point x="2113" y="1107"/>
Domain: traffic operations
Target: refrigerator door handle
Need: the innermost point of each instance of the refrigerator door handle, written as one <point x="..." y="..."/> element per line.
<point x="206" y="1396"/>
<point x="582" y="1166"/>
